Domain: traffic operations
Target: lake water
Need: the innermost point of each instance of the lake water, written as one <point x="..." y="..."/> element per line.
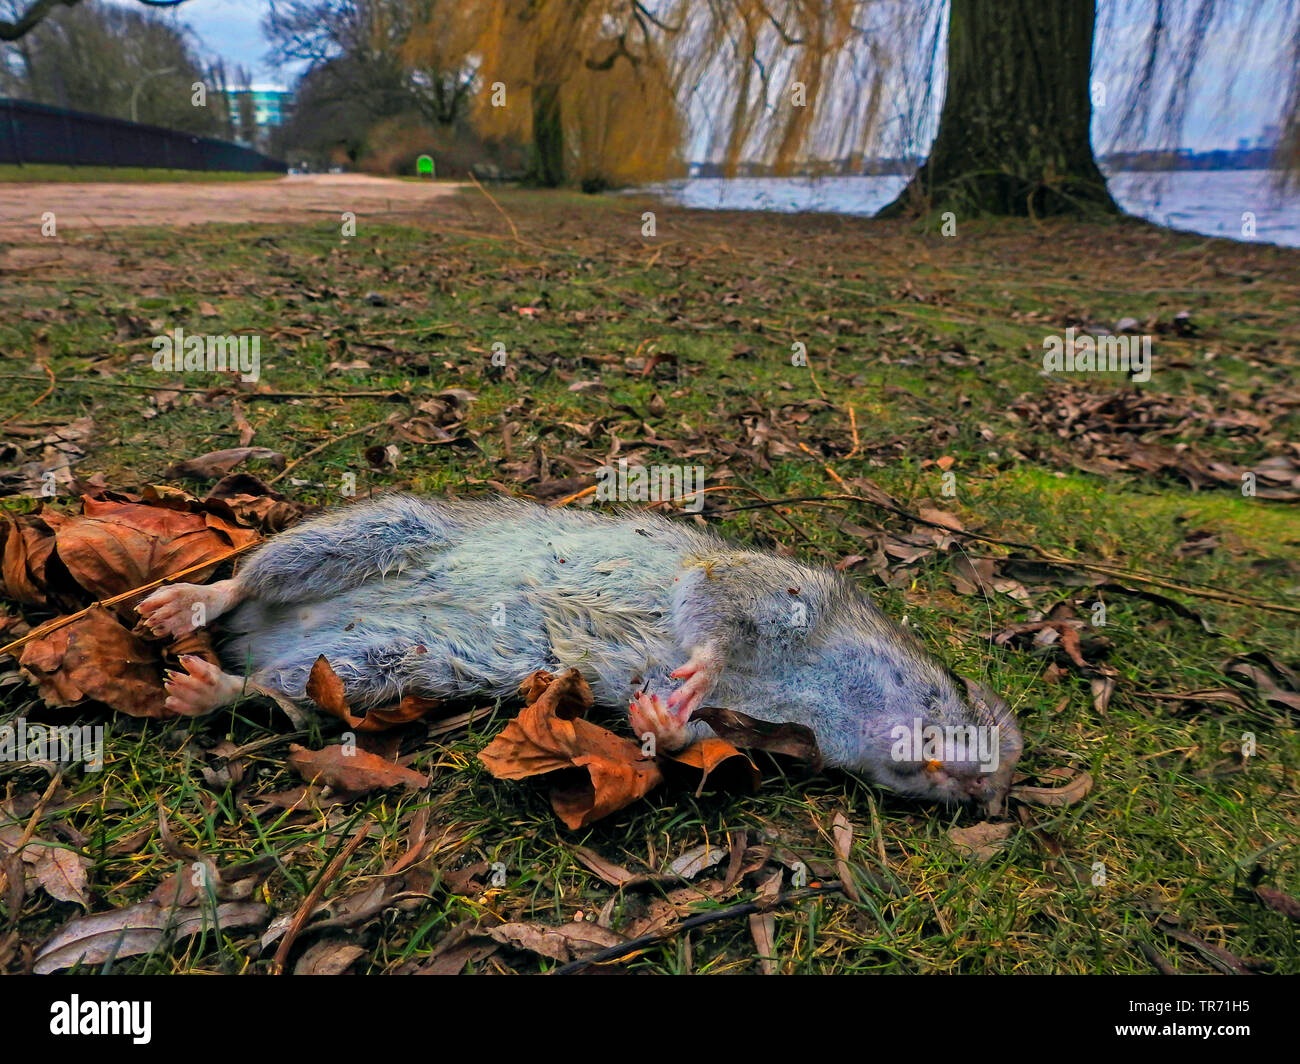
<point x="1201" y="201"/>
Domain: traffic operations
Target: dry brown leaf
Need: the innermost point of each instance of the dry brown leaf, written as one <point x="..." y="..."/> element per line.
<point x="96" y="658"/>
<point x="698" y="859"/>
<point x="243" y="499"/>
<point x="64" y="873"/>
<point x="717" y="759"/>
<point x="941" y="517"/>
<point x="453" y="961"/>
<point x="570" y="942"/>
<point x="842" y="832"/>
<point x="216" y="464"/>
<point x="352" y="770"/>
<point x="1279" y="902"/>
<point x="325" y="688"/>
<point x="541" y="739"/>
<point x="114" y="546"/>
<point x="749" y="733"/>
<point x="971" y="576"/>
<point x="27" y="543"/>
<point x="982" y="840"/>
<point x="1259" y="668"/>
<point x="1102" y="688"/>
<point x="92" y="940"/>
<point x="330" y="956"/>
<point x="617" y="875"/>
<point x="762" y="925"/>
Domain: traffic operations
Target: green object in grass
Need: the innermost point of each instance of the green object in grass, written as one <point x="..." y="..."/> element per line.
<point x="424" y="165"/>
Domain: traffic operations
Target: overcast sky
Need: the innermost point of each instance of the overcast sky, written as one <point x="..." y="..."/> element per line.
<point x="232" y="30"/>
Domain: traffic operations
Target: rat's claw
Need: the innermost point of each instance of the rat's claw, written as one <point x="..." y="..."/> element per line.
<point x="701" y="672"/>
<point x="649" y="714"/>
<point x="169" y="611"/>
<point x="201" y="688"/>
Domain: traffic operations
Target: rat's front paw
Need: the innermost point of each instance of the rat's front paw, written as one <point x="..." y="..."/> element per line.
<point x="701" y="673"/>
<point x="651" y="716"/>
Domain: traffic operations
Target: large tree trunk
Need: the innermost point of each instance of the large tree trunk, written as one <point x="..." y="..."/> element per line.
<point x="1014" y="132"/>
<point x="547" y="167"/>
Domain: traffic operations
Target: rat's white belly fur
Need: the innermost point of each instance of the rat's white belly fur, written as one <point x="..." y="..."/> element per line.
<point x="479" y="615"/>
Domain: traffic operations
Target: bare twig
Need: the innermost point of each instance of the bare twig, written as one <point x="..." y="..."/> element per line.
<point x="309" y="903"/>
<point x="328" y="443"/>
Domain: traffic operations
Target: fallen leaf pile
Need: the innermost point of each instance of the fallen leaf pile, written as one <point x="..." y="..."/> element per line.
<point x="36" y="458"/>
<point x="1111" y="432"/>
<point x="65" y="563"/>
<point x="646" y="903"/>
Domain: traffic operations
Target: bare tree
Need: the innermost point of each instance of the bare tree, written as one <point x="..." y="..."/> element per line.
<point x="27" y="18"/>
<point x="115" y="61"/>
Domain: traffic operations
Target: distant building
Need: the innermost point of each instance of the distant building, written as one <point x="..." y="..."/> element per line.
<point x="270" y="104"/>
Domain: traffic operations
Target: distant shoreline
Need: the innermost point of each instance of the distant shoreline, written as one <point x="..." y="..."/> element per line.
<point x="1175" y="161"/>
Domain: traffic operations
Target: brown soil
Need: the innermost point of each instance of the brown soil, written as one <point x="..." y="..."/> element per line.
<point x="302" y="197"/>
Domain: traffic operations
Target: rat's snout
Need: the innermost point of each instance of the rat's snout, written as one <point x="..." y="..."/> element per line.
<point x="981" y="788"/>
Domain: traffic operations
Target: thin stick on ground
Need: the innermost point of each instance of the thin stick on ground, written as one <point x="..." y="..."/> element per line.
<point x="1218" y="594"/>
<point x="59" y="622"/>
<point x="321" y="447"/>
<point x="309" y="903"/>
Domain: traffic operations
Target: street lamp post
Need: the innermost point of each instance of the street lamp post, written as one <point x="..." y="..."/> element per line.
<point x="135" y="92"/>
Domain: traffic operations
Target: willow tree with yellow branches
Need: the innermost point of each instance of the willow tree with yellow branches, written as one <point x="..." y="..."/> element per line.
<point x="613" y="91"/>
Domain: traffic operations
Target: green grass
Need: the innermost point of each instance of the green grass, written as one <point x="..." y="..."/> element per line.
<point x="43" y="172"/>
<point x="886" y="313"/>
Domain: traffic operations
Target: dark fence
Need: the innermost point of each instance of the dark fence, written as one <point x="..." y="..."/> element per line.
<point x="35" y="133"/>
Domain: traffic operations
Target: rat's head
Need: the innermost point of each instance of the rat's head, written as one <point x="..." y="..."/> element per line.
<point x="961" y="747"/>
<point x="923" y="732"/>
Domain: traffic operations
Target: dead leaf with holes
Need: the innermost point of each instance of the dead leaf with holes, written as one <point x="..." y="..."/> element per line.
<point x="572" y="941"/>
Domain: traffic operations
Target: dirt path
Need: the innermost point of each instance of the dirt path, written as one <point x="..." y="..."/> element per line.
<point x="301" y="197"/>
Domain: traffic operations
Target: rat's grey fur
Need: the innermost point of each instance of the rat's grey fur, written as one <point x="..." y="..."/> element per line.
<point x="443" y="599"/>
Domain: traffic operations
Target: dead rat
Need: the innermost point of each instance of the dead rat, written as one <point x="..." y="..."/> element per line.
<point x="445" y="599"/>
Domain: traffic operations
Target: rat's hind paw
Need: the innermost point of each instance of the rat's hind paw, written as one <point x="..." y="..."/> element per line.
<point x="201" y="688"/>
<point x="179" y="609"/>
<point x="649" y="715"/>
